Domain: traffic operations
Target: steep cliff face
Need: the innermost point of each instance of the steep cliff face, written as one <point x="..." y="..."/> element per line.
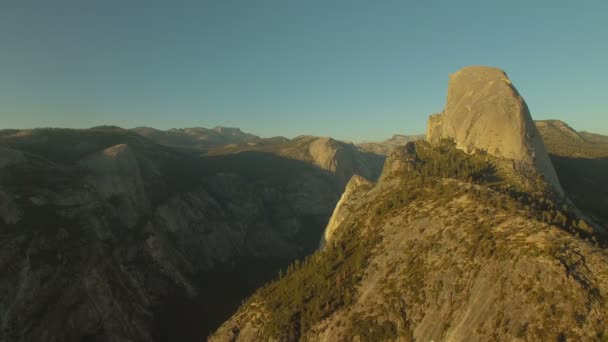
<point x="343" y="159"/>
<point x="115" y="175"/>
<point x="102" y="229"/>
<point x="356" y="186"/>
<point x="485" y="112"/>
<point x="439" y="250"/>
<point x="453" y="242"/>
<point x="340" y="158"/>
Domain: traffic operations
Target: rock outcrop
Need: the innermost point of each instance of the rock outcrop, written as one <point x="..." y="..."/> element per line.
<point x="116" y="176"/>
<point x="356" y="186"/>
<point x="342" y="159"/>
<point x="101" y="230"/>
<point x="337" y="157"/>
<point x="485" y="112"/>
<point x="438" y="256"/>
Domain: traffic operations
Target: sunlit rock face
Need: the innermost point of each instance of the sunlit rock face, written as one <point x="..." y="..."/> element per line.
<point x="355" y="186"/>
<point x="101" y="230"/>
<point x="485" y="112"/>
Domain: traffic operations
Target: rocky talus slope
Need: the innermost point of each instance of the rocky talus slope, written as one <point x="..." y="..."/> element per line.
<point x="107" y="236"/>
<point x="484" y="112"/>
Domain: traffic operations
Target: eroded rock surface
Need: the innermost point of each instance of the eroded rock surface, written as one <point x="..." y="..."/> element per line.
<point x="108" y="236"/>
<point x="355" y="187"/>
<point x="422" y="257"/>
<point x="485" y="112"/>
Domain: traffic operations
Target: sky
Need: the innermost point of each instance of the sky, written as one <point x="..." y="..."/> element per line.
<point x="351" y="69"/>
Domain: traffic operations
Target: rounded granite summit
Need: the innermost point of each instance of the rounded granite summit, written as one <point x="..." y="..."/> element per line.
<point x="485" y="112"/>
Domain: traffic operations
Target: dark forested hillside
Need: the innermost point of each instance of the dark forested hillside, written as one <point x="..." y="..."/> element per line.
<point x="112" y="237"/>
<point x="581" y="161"/>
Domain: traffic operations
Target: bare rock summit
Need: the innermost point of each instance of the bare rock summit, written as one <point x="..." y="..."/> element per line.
<point x="485" y="112"/>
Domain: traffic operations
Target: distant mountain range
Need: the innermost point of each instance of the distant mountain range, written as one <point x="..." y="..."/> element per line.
<point x="107" y="233"/>
<point x="384" y="147"/>
<point x="466" y="236"/>
<point x="483" y="229"/>
<point x="198" y="137"/>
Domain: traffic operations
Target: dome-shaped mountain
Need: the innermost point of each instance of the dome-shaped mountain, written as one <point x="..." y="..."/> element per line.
<point x="449" y="245"/>
<point x="484" y="112"/>
<point x="436" y="251"/>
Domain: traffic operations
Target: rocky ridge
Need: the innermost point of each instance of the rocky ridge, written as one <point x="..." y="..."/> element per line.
<point x="197" y="137"/>
<point x="449" y="244"/>
<point x="108" y="235"/>
<point x="340" y="158"/>
<point x="436" y="258"/>
<point x="386" y="146"/>
<point x="355" y="187"/>
<point x="581" y="161"/>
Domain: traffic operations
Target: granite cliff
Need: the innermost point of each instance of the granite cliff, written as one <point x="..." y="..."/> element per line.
<point x="456" y="241"/>
<point x="484" y="112"/>
<point x="438" y="249"/>
<point x="106" y="235"/>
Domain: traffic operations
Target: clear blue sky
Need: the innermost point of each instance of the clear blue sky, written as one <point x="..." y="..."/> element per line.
<point x="356" y="70"/>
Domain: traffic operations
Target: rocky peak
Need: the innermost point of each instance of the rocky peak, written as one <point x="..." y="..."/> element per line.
<point x="485" y="112"/>
<point x="342" y="159"/>
<point x="400" y="160"/>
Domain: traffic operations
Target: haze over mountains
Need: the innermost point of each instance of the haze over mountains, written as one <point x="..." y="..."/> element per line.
<point x="465" y="236"/>
<point x="198" y="138"/>
<point x="490" y="228"/>
<point x="109" y="234"/>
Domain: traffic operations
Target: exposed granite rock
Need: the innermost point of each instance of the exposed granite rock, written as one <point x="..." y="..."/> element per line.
<point x="100" y="228"/>
<point x="485" y="112"/>
<point x="401" y="160"/>
<point x="356" y="186"/>
<point x="117" y="178"/>
<point x="341" y="158"/>
<point x="453" y="261"/>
